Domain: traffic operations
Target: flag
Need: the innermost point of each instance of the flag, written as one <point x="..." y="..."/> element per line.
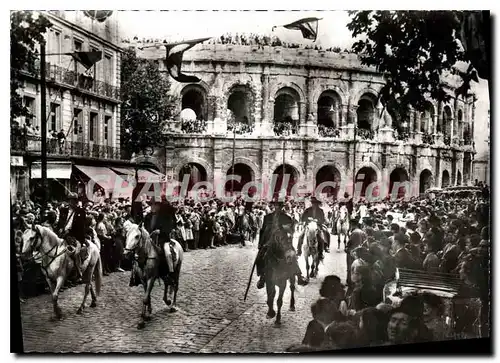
<point x="99" y="15"/>
<point x="174" y="59"/>
<point x="308" y="27"/>
<point x="87" y="59"/>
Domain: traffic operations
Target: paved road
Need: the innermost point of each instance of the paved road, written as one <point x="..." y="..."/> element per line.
<point x="212" y="315"/>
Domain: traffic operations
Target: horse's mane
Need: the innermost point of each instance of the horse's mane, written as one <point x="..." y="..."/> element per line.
<point x="47" y="232"/>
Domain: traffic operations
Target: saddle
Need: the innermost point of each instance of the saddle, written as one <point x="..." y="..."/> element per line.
<point x="158" y="245"/>
<point x="76" y="249"/>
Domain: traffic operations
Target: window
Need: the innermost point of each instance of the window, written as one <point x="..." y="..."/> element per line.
<point x="97" y="68"/>
<point x="29" y="103"/>
<point x="108" y="69"/>
<point x="77" y="45"/>
<point x="54" y="116"/>
<point x="93" y="127"/>
<point x="107" y="124"/>
<point x="55" y="45"/>
<point x="77" y="121"/>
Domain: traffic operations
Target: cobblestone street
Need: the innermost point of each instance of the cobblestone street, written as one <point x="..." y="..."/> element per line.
<point x="212" y="315"/>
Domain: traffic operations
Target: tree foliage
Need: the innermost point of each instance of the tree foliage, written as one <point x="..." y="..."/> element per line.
<point x="146" y="103"/>
<point x="415" y="49"/>
<point x="26" y="31"/>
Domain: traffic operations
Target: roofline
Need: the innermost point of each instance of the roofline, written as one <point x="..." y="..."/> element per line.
<point x="82" y="30"/>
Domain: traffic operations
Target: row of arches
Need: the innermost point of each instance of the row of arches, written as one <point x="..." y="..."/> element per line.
<point x="329" y="173"/>
<point x="241" y="98"/>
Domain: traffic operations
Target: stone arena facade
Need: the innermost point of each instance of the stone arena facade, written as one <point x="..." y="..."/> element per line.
<point x="320" y="96"/>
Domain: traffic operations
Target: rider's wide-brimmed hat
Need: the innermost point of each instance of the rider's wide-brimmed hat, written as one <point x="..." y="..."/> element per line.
<point x="72" y="196"/>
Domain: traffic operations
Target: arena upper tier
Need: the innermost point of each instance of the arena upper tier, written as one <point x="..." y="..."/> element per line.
<point x="315" y="97"/>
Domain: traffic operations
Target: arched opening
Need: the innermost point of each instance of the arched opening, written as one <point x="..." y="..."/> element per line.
<point x="195" y="98"/>
<point x="447" y="116"/>
<point x="286" y="111"/>
<point x="459" y="178"/>
<point x="467" y="167"/>
<point x="445" y="179"/>
<point x="457" y="130"/>
<point x="397" y="185"/>
<point x="329" y="173"/>
<point x="425" y="181"/>
<point x="366" y="116"/>
<point x="195" y="172"/>
<point x="240" y="170"/>
<point x="426" y="118"/>
<point x="467" y="134"/>
<point x="328" y="110"/>
<point x="281" y="174"/>
<point x="240" y="102"/>
<point x="367" y="176"/>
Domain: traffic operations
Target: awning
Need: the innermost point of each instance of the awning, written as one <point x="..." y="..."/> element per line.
<point x="110" y="181"/>
<point x="55" y="170"/>
<point x="145" y="175"/>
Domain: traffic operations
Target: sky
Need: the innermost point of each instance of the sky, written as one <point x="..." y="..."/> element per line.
<point x="181" y="25"/>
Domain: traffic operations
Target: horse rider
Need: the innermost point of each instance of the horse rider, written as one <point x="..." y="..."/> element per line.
<point x="315" y="212"/>
<point x="284" y="221"/>
<point x="73" y="225"/>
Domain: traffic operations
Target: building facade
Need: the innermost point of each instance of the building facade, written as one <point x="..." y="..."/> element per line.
<point x="83" y="107"/>
<point x="316" y="98"/>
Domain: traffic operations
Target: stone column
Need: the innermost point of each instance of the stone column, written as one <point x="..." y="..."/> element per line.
<point x="336" y="123"/>
<point x="418" y="133"/>
<point x="345" y="114"/>
<point x="353" y="116"/>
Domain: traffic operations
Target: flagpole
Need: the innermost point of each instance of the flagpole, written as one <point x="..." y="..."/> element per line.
<point x="283" y="169"/>
<point x="43" y="126"/>
<point x="232" y="163"/>
<point x="354" y="162"/>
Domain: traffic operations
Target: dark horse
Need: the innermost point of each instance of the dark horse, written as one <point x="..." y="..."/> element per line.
<point x="279" y="267"/>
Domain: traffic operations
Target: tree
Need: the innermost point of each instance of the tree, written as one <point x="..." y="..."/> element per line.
<point x="145" y="103"/>
<point x="26" y="31"/>
<point x="416" y="49"/>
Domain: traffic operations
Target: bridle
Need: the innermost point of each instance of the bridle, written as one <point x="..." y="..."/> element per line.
<point x="38" y="243"/>
<point x="139" y="244"/>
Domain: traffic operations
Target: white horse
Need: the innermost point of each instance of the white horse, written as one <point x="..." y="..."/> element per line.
<point x="149" y="265"/>
<point x="310" y="247"/>
<point x="57" y="263"/>
<point x="343" y="225"/>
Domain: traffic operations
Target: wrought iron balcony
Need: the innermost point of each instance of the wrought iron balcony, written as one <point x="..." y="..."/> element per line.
<point x="33" y="144"/>
<point x="54" y="73"/>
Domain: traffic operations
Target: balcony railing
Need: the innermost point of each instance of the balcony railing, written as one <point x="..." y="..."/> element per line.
<point x="325" y="131"/>
<point x="365" y="134"/>
<point x="240" y="128"/>
<point x="284" y="128"/>
<point x="427" y="139"/>
<point x="193" y="127"/>
<point x="68" y="77"/>
<point x="33" y="144"/>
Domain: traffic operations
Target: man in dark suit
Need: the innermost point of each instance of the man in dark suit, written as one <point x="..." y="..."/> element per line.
<point x="402" y="257"/>
<point x="73" y="226"/>
<point x="277" y="218"/>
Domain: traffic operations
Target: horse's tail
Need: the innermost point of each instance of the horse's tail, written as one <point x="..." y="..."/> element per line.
<point x="98" y="275"/>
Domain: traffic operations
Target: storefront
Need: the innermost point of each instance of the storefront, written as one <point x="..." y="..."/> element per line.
<point x="58" y="178"/>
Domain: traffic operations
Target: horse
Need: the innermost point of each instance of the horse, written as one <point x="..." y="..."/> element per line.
<point x="150" y="264"/>
<point x="343" y="225"/>
<point x="57" y="263"/>
<point x="310" y="247"/>
<point x="279" y="269"/>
